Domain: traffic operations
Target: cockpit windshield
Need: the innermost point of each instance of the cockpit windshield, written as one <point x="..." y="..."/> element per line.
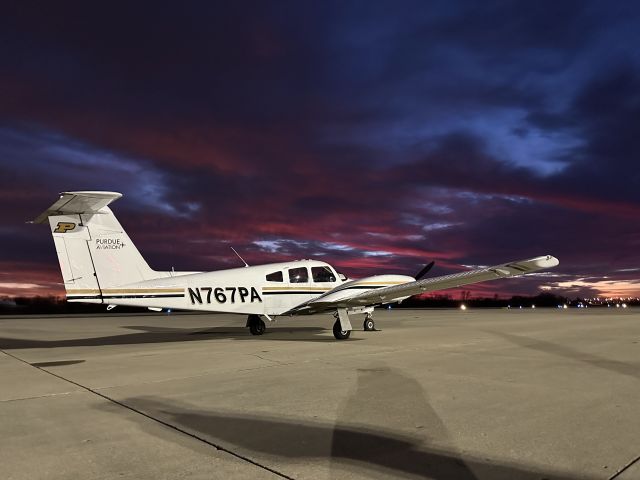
<point x="322" y="274"/>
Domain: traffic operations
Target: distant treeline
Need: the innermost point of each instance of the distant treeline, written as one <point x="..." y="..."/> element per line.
<point x="53" y="305"/>
<point x="447" y="301"/>
<point x="58" y="305"/>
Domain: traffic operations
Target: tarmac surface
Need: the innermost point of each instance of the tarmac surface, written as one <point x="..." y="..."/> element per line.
<point x="441" y="394"/>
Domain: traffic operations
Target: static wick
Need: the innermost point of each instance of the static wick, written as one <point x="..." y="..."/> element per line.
<point x="234" y="251"/>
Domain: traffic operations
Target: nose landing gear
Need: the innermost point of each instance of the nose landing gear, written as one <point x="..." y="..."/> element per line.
<point x="369" y="325"/>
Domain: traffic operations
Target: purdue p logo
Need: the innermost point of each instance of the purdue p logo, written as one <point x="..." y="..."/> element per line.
<point x="64" y="227"/>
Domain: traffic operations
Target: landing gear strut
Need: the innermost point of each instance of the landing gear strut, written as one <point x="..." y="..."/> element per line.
<point x="256" y="325"/>
<point x="369" y="325"/>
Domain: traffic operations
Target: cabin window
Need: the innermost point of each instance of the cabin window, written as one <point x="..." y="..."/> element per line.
<point x="275" y="277"/>
<point x="298" y="275"/>
<point x="322" y="274"/>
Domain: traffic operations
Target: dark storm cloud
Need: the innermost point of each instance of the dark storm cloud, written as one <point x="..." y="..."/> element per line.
<point x="376" y="136"/>
<point x="604" y="115"/>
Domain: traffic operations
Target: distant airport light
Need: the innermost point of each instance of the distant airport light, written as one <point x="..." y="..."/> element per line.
<point x="533" y="306"/>
<point x="463" y="307"/>
<point x="624" y="305"/>
<point x="565" y="306"/>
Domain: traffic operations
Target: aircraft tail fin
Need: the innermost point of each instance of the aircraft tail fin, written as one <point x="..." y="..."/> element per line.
<point x="93" y="249"/>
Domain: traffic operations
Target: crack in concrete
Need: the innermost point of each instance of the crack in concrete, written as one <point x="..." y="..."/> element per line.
<point x="266" y="359"/>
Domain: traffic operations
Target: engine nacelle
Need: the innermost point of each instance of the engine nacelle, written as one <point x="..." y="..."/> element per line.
<point x="353" y="288"/>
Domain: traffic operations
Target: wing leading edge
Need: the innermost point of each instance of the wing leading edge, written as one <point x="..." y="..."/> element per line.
<point x="396" y="292"/>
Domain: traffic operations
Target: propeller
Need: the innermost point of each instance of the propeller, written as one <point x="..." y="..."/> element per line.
<point x="425" y="270"/>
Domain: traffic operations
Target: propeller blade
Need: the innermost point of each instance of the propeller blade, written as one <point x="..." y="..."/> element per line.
<point x="425" y="270"/>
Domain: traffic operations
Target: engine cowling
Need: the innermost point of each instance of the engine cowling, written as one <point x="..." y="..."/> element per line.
<point x="355" y="287"/>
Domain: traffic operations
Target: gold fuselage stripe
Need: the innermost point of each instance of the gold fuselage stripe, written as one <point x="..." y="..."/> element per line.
<point x="80" y="291"/>
<point x="301" y="287"/>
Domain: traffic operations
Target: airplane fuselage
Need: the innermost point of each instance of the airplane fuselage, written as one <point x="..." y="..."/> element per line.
<point x="271" y="289"/>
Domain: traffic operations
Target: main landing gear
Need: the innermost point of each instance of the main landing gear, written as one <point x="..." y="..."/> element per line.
<point x="339" y="333"/>
<point x="256" y="325"/>
<point x="342" y="327"/>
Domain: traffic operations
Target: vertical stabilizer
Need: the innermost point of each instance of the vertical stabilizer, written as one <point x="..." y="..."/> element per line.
<point x="94" y="251"/>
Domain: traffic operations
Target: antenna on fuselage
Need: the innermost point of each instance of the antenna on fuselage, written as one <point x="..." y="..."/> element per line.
<point x="234" y="251"/>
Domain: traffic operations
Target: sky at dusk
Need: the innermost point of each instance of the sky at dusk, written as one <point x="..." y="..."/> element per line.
<point x="376" y="136"/>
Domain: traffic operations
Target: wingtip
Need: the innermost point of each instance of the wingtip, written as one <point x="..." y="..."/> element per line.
<point x="546" y="261"/>
<point x="94" y="193"/>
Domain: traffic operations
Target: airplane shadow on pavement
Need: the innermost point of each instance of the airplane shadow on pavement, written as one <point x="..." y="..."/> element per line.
<point x="384" y="429"/>
<point x="149" y="334"/>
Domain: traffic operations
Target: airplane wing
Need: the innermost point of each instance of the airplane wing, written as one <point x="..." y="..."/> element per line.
<point x="395" y="292"/>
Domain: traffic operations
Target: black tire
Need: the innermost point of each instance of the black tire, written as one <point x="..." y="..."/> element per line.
<point x="256" y="325"/>
<point x="369" y="325"/>
<point x="339" y="333"/>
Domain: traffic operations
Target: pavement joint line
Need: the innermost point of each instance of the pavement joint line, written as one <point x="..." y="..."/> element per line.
<point x="625" y="468"/>
<point x="183" y="377"/>
<point x="275" y="365"/>
<point x="160" y="380"/>
<point x="38" y="396"/>
<point x="155" y="419"/>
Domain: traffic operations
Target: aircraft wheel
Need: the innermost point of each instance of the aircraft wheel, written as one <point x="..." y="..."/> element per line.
<point x="256" y="325"/>
<point x="340" y="334"/>
<point x="369" y="325"/>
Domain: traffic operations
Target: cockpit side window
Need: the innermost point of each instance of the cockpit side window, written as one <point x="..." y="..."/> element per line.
<point x="322" y="274"/>
<point x="275" y="277"/>
<point x="298" y="275"/>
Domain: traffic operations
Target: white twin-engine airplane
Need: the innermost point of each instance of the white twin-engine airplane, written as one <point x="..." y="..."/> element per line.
<point x="100" y="264"/>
